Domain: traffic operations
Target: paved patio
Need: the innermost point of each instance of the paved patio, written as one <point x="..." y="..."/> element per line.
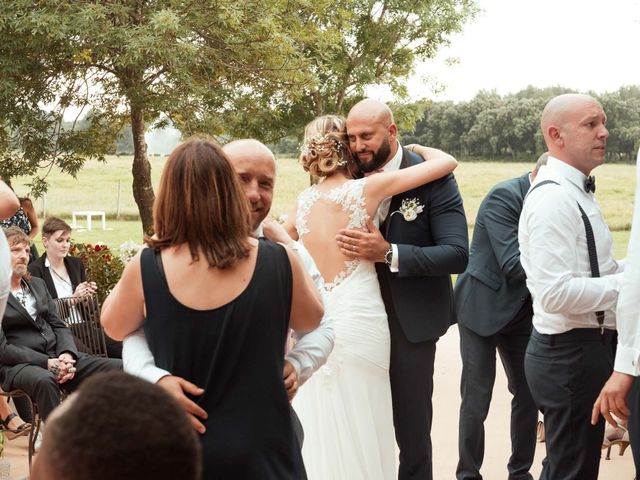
<point x="445" y="427"/>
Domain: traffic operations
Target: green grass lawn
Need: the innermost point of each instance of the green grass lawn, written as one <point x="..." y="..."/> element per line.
<point x="96" y="188"/>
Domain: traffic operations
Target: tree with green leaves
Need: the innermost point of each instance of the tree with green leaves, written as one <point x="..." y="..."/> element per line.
<point x="250" y="68"/>
<point x="351" y="45"/>
<point x="131" y="62"/>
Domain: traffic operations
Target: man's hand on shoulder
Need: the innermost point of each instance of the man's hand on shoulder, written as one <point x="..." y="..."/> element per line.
<point x="177" y="387"/>
<point x="369" y="245"/>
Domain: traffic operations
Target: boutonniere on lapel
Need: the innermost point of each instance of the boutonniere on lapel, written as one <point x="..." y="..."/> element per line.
<point x="410" y="209"/>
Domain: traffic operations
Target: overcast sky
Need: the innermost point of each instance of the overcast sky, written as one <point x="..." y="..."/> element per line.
<point x="580" y="44"/>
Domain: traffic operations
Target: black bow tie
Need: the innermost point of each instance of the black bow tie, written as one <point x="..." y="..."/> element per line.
<point x="590" y="184"/>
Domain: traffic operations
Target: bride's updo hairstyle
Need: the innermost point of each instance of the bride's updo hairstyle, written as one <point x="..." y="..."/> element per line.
<point x="325" y="148"/>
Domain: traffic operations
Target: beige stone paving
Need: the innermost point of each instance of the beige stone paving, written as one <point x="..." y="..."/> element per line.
<point x="445" y="427"/>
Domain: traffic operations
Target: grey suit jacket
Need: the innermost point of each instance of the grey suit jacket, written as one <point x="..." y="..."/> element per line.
<point x="24" y="341"/>
<point x="493" y="288"/>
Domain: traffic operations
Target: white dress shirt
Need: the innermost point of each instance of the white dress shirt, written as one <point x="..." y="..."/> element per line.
<point x="308" y="354"/>
<point x="5" y="273"/>
<point x="628" y="311"/>
<point x="27" y="300"/>
<point x="64" y="288"/>
<point x="554" y="254"/>
<point x="383" y="209"/>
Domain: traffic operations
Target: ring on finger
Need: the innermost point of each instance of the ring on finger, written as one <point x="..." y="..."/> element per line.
<point x="353" y="247"/>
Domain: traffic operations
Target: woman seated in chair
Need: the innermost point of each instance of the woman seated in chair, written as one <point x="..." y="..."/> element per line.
<point x="64" y="275"/>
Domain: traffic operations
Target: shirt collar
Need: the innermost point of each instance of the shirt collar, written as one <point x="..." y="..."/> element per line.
<point x="259" y="232"/>
<point x="394" y="163"/>
<point x="572" y="174"/>
<point x="46" y="262"/>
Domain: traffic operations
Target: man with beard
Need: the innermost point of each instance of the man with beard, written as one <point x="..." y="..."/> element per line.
<point x="416" y="252"/>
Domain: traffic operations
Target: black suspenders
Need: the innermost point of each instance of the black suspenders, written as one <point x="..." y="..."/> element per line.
<point x="591" y="246"/>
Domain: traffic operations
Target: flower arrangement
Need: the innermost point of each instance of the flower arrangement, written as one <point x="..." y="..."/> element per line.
<point x="101" y="265"/>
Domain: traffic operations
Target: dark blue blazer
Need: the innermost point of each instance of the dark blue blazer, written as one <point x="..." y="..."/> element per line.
<point x="493" y="288"/>
<point x="430" y="249"/>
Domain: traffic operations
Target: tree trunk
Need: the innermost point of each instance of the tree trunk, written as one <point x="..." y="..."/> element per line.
<point x="141" y="170"/>
<point x="318" y="103"/>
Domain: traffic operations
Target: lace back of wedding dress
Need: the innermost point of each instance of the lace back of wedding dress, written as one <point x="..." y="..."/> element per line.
<point x="350" y="197"/>
<point x="345" y="406"/>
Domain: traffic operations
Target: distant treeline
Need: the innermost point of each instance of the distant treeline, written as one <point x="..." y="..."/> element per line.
<point x="495" y="127"/>
<point x="491" y="126"/>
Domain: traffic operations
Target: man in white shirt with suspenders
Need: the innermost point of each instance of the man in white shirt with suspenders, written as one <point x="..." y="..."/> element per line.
<point x="567" y="254"/>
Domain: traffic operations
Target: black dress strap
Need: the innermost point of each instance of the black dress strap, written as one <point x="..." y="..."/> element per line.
<point x="154" y="283"/>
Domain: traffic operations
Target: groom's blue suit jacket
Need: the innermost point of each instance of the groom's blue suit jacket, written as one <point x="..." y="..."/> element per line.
<point x="430" y="249"/>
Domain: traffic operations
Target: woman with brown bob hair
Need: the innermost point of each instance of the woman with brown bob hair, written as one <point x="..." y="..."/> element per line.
<point x="216" y="306"/>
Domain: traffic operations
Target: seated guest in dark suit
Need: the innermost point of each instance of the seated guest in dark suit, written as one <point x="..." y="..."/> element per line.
<point x="63" y="274"/>
<point x="126" y="440"/>
<point x="37" y="351"/>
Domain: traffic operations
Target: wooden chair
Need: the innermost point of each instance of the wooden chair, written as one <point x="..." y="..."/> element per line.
<point x="82" y="316"/>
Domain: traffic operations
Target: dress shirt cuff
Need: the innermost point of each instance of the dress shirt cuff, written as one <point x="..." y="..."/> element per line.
<point x="153" y="374"/>
<point x="395" y="261"/>
<point x="138" y="360"/>
<point x="148" y="372"/>
<point x="627" y="360"/>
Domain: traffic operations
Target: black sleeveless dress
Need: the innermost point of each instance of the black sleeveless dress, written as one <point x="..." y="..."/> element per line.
<point x="236" y="353"/>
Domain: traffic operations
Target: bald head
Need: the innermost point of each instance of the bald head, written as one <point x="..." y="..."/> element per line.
<point x="248" y="147"/>
<point x="573" y="128"/>
<point x="373" y="135"/>
<point x="559" y="110"/>
<point x="371" y="111"/>
<point x="255" y="164"/>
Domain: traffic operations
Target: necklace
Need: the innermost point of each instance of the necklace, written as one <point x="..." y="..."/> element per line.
<point x="21" y="295"/>
<point x="68" y="282"/>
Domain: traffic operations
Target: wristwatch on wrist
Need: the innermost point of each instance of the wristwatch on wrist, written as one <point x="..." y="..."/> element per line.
<point x="388" y="257"/>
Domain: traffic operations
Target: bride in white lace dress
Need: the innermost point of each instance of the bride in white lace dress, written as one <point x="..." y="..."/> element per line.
<point x="345" y="407"/>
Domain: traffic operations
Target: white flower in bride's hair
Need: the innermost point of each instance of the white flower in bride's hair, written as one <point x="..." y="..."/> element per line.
<point x="322" y="145"/>
<point x="410" y="209"/>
